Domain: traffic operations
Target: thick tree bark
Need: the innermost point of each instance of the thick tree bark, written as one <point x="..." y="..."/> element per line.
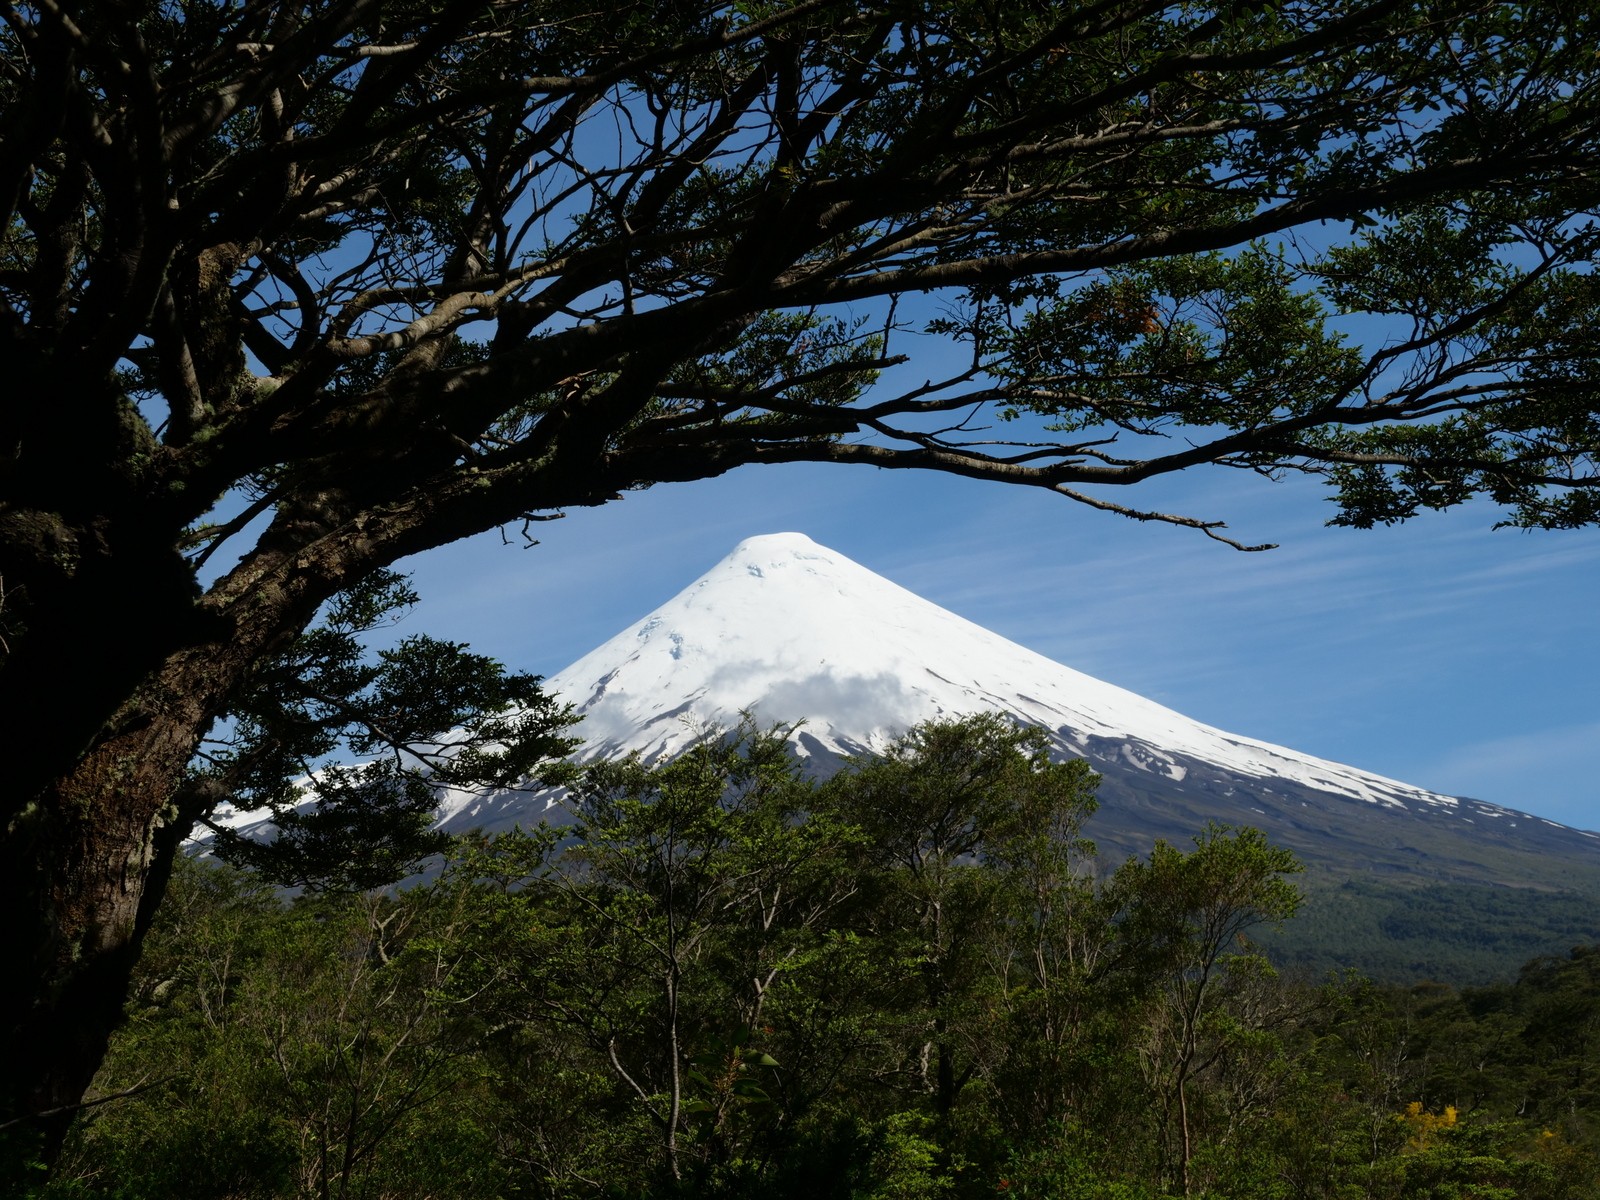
<point x="81" y="881"/>
<point x="83" y="864"/>
<point x="94" y="823"/>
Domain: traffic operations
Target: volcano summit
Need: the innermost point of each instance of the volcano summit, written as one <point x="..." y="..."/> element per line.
<point x="794" y="632"/>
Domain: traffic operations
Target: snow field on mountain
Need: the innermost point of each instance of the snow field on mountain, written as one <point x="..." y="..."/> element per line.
<point x="793" y="631"/>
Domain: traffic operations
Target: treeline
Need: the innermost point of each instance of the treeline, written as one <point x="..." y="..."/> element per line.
<point x="724" y="979"/>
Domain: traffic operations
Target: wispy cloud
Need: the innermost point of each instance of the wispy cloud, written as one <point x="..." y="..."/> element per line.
<point x="1496" y="769"/>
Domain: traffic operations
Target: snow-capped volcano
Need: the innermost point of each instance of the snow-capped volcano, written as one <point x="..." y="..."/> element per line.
<point x="796" y="631"/>
<point x="793" y="631"/>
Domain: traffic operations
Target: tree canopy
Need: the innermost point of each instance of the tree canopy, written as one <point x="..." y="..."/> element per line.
<point x="292" y="290"/>
<point x="420" y="719"/>
<point x="717" y="983"/>
<point x="462" y="263"/>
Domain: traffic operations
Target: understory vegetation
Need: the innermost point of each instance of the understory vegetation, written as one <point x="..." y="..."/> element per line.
<point x="725" y="979"/>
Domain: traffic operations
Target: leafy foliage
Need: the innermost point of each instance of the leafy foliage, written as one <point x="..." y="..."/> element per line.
<point x="717" y="983"/>
<point x="424" y="714"/>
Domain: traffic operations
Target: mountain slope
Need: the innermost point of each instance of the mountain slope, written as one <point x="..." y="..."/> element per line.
<point x="793" y="631"/>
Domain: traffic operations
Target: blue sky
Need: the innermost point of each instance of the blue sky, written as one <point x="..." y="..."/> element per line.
<point x="1443" y="652"/>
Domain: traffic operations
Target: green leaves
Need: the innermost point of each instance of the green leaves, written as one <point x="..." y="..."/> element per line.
<point x="1236" y="342"/>
<point x="425" y="714"/>
<point x="726" y="1071"/>
<point x="715" y="984"/>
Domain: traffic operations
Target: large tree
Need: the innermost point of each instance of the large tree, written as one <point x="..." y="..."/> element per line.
<point x="311" y="285"/>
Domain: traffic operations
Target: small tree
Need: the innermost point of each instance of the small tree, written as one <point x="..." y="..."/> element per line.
<point x="426" y="716"/>
<point x="974" y="835"/>
<point x="1187" y="918"/>
<point x="661" y="924"/>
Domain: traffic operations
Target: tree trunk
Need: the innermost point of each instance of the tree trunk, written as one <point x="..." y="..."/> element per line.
<point x="86" y="849"/>
<point x="82" y="868"/>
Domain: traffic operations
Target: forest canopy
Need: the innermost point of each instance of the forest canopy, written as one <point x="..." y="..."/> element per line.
<point x="727" y="980"/>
